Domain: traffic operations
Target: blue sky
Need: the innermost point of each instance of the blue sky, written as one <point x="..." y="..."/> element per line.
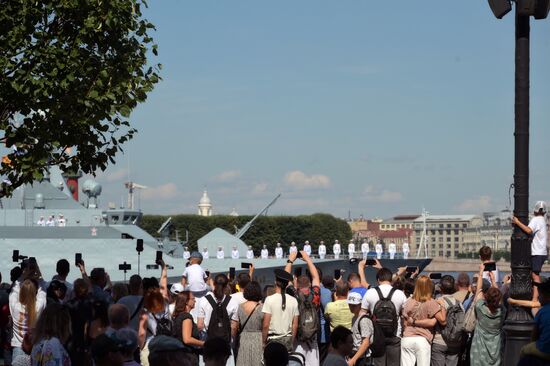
<point x="380" y="108"/>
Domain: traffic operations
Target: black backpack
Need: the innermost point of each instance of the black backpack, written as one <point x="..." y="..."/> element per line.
<point x="164" y="325"/>
<point x="308" y="321"/>
<point x="385" y="314"/>
<point x="220" y="324"/>
<point x="378" y="345"/>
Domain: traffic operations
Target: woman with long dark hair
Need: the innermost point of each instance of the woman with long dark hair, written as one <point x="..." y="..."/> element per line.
<point x="185" y="328"/>
<point x="486" y="343"/>
<point x="53" y="330"/>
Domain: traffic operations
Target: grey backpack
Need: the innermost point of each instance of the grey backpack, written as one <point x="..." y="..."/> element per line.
<point x="453" y="332"/>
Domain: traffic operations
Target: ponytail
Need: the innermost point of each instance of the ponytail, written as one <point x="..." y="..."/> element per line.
<point x="282" y="285"/>
<point x="220" y="284"/>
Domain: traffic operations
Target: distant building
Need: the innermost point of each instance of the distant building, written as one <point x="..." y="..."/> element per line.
<point x="205" y="205"/>
<point x="494" y="232"/>
<point x="446" y="234"/>
<point x="398" y="222"/>
<point x="234" y="213"/>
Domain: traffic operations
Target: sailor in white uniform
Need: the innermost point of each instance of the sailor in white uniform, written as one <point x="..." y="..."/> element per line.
<point x="50" y="221"/>
<point x="365" y="249"/>
<point x="186" y="253"/>
<point x="406" y="250"/>
<point x="392" y="248"/>
<point x="41" y="221"/>
<point x="220" y="254"/>
<point x="307" y="248"/>
<point x="293" y="248"/>
<point x="205" y="253"/>
<point x="278" y="251"/>
<point x="61" y="221"/>
<point x="322" y="250"/>
<point x="336" y="249"/>
<point x="264" y="253"/>
<point x="235" y="253"/>
<point x="351" y="249"/>
<point x="379" y="251"/>
<point x="250" y="253"/>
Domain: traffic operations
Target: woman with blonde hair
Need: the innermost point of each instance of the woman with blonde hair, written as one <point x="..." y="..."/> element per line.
<point x="53" y="330"/>
<point x="420" y="314"/>
<point x="27" y="300"/>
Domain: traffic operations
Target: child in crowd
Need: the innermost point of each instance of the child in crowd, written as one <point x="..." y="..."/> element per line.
<point x="194" y="277"/>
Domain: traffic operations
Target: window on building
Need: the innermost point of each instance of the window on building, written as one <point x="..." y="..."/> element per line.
<point x="448" y="239"/>
<point x="456" y="232"/>
<point x="456" y="239"/>
<point x="448" y="253"/>
<point x="464" y="225"/>
<point x="440" y="239"/>
<point x="441" y="253"/>
<point x="441" y="225"/>
<point x="449" y="225"/>
<point x="457" y="226"/>
<point x="448" y="232"/>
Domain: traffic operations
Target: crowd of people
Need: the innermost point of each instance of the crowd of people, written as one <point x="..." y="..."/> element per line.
<point x="404" y="319"/>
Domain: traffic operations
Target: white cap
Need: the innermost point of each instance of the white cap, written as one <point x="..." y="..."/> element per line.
<point x="176" y="288"/>
<point x="540" y="205"/>
<point x="354" y="298"/>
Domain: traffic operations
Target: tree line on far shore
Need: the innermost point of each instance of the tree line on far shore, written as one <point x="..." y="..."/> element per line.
<point x="267" y="230"/>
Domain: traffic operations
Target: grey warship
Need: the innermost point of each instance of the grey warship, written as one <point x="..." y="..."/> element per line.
<point x="107" y="237"/>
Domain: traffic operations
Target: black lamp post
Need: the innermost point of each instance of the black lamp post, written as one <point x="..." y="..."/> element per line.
<point x="519" y="323"/>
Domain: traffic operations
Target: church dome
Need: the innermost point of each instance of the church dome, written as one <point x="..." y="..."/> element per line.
<point x="205" y="200"/>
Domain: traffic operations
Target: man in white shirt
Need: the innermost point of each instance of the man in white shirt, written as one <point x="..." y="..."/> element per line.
<point x="250" y="253"/>
<point x="538" y="229"/>
<point x="336" y="249"/>
<point x="205" y="253"/>
<point x="392" y="248"/>
<point x="61" y="221"/>
<point x="220" y="254"/>
<point x="406" y="250"/>
<point x="50" y="221"/>
<point x="379" y="251"/>
<point x="351" y="249"/>
<point x="278" y="251"/>
<point x="265" y="252"/>
<point x="194" y="277"/>
<point x="186" y="253"/>
<point x="398" y="298"/>
<point x="41" y="221"/>
<point x="307" y="248"/>
<point x="322" y="250"/>
<point x="365" y="249"/>
<point x="293" y="248"/>
<point x="235" y="253"/>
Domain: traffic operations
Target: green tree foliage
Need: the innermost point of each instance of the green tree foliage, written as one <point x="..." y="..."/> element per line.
<point x="71" y="72"/>
<point x="266" y="230"/>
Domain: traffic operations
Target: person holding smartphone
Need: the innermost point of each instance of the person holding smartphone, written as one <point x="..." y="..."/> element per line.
<point x="485" y="255"/>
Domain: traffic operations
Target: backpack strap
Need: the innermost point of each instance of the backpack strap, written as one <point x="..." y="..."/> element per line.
<point x="466" y="297"/>
<point x="391" y="293"/>
<point x="448" y="301"/>
<point x="211" y="301"/>
<point x="138" y="308"/>
<point x="380" y="296"/>
<point x="225" y="301"/>
<point x="359" y="323"/>
<point x="247" y="319"/>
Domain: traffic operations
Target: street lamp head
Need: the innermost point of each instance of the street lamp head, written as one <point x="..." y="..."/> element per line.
<point x="500" y="7"/>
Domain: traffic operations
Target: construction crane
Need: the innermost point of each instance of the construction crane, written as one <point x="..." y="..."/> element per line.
<point x="131" y="186"/>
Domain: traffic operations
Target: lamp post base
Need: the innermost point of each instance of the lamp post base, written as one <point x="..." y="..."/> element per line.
<point x="517" y="328"/>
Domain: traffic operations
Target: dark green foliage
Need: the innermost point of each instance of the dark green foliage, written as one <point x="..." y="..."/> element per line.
<point x="71" y="72"/>
<point x="266" y="229"/>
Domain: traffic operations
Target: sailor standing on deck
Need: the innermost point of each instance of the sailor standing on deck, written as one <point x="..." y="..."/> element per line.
<point x="307" y="248"/>
<point x="41" y="221"/>
<point x="264" y="253"/>
<point x="351" y="249"/>
<point x="365" y="249"/>
<point x="406" y="250"/>
<point x="235" y="253"/>
<point x="392" y="248"/>
<point x="205" y="253"/>
<point x="322" y="250"/>
<point x="51" y="221"/>
<point x="220" y="254"/>
<point x="293" y="248"/>
<point x="250" y="253"/>
<point x="379" y="251"/>
<point x="336" y="249"/>
<point x="278" y="251"/>
<point x="61" y="221"/>
<point x="186" y="253"/>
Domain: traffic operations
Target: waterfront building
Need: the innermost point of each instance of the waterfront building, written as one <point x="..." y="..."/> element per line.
<point x="494" y="232"/>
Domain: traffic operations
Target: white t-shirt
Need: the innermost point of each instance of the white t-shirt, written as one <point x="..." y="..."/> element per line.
<point x="195" y="276"/>
<point x="398" y="298"/>
<point x="281" y="321"/>
<point x="18" y="313"/>
<point x="205" y="309"/>
<point x="540" y="236"/>
<point x="265" y="253"/>
<point x="238" y="297"/>
<point x="279" y="252"/>
<point x="220" y="254"/>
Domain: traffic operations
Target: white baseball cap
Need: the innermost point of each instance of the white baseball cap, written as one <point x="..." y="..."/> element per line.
<point x="176" y="288"/>
<point x="354" y="298"/>
<point x="540" y="205"/>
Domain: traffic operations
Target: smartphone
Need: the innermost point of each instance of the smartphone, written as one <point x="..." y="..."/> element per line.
<point x="435" y="276"/>
<point x="370" y="262"/>
<point x="159" y="257"/>
<point x="298" y="254"/>
<point x="489" y="267"/>
<point x="353" y="260"/>
<point x="231" y="273"/>
<point x="152" y="266"/>
<point x="246" y="265"/>
<point x="410" y="269"/>
<point x="337" y="274"/>
<point x="15" y="256"/>
<point x="77" y="259"/>
<point x="207" y="273"/>
<point x="298" y="271"/>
